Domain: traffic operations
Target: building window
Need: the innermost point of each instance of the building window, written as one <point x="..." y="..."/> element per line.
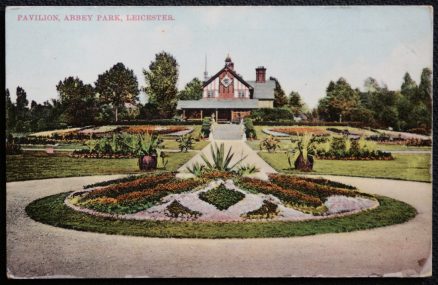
<point x="210" y="94"/>
<point x="241" y="94"/>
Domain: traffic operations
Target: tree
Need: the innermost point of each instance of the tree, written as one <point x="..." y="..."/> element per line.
<point x="10" y="112"/>
<point x="192" y="90"/>
<point x="79" y="100"/>
<point x="280" y="98"/>
<point x="161" y="80"/>
<point x="295" y="103"/>
<point x="21" y="104"/>
<point x="425" y="88"/>
<point x="340" y="101"/>
<point x="409" y="87"/>
<point x="117" y="86"/>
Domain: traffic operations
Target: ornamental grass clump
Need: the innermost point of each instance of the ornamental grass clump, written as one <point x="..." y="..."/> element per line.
<point x="220" y="161"/>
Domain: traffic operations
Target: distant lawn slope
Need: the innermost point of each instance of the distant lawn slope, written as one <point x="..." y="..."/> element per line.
<point x="415" y="167"/>
<point x="38" y="165"/>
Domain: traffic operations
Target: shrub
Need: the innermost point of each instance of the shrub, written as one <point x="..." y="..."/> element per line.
<point x="221" y="197"/>
<point x="206" y="126"/>
<point x="270" y="144"/>
<point x="418" y="142"/>
<point x="12" y="147"/>
<point x="250" y="132"/>
<point x="272" y="115"/>
<point x="185" y="142"/>
<point x="421" y="131"/>
<point x="244" y="170"/>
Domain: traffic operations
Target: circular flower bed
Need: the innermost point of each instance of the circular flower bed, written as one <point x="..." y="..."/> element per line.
<point x="220" y="198"/>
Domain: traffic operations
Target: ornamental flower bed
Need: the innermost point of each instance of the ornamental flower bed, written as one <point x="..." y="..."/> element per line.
<point x="154" y="129"/>
<point x="302" y="130"/>
<point x="165" y="197"/>
<point x="309" y="187"/>
<point x="287" y="195"/>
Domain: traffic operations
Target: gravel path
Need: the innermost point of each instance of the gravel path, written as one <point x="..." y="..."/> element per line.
<point x="38" y="250"/>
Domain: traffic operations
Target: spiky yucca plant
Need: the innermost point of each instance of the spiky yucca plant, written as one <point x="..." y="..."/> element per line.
<point x="244" y="170"/>
<point x="197" y="169"/>
<point x="220" y="161"/>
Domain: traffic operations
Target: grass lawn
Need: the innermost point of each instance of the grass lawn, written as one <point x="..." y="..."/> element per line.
<point x="414" y="167"/>
<point x="389" y="147"/>
<point x="38" y="165"/>
<point x="52" y="210"/>
<point x="173" y="144"/>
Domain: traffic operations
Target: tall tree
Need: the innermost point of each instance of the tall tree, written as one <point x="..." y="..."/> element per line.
<point x="409" y="87"/>
<point x="340" y="102"/>
<point x="10" y="112"/>
<point x="192" y="90"/>
<point x="161" y="80"/>
<point x="295" y="103"/>
<point x="425" y="88"/>
<point x="21" y="104"/>
<point x="280" y="98"/>
<point x="79" y="100"/>
<point x="117" y="86"/>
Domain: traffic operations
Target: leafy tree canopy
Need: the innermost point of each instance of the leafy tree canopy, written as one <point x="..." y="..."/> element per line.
<point x="117" y="86"/>
<point x="280" y="98"/>
<point x="161" y="80"/>
<point x="192" y="90"/>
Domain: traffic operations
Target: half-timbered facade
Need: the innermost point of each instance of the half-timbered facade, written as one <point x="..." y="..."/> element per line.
<point x="228" y="97"/>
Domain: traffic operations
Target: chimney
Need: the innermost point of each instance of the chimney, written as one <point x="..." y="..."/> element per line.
<point x="260" y="74"/>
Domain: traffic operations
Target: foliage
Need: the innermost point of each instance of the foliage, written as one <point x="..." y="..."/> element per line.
<point x="250" y="132"/>
<point x="148" y="145"/>
<point x="192" y="90"/>
<point x="272" y="115"/>
<point x="161" y="80"/>
<point x="221" y="197"/>
<point x="79" y="101"/>
<point x="244" y="170"/>
<point x="117" y="86"/>
<point x="350" y="149"/>
<point x="221" y="162"/>
<point x="176" y="210"/>
<point x="339" y="102"/>
<point x="206" y="127"/>
<point x="196" y="169"/>
<point x="295" y="103"/>
<point x="270" y="143"/>
<point x="185" y="142"/>
<point x="280" y="98"/>
<point x="12" y="147"/>
<point x="268" y="210"/>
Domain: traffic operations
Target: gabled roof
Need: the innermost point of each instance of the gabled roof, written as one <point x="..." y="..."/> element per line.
<point x="230" y="71"/>
<point x="263" y="90"/>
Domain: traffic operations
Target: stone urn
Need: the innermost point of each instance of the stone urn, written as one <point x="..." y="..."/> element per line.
<point x="304" y="165"/>
<point x="147" y="162"/>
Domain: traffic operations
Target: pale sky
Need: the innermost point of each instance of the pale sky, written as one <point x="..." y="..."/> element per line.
<point x="303" y="47"/>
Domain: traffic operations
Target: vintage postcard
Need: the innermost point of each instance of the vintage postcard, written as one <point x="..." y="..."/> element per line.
<point x="219" y="141"/>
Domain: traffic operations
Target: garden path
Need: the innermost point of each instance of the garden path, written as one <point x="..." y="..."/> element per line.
<point x="39" y="250"/>
<point x="240" y="150"/>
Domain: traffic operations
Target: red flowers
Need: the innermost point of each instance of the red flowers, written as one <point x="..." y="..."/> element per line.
<point x="154" y="129"/>
<point x="309" y="187"/>
<point x="301" y="130"/>
<point x="286" y="194"/>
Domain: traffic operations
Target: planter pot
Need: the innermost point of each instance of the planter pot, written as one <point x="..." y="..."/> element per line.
<point x="303" y="165"/>
<point x="147" y="162"/>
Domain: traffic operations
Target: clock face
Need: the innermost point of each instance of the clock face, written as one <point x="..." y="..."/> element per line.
<point x="226" y="81"/>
